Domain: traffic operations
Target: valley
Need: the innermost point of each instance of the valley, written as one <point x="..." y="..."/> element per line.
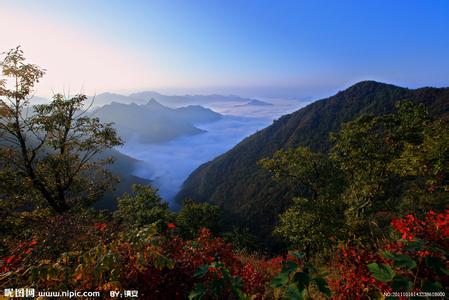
<point x="167" y="162"/>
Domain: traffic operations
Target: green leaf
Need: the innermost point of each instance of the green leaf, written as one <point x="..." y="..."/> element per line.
<point x="198" y="292"/>
<point x="438" y="250"/>
<point x="242" y="296"/>
<point x="402" y="284"/>
<point x="202" y="270"/>
<point x="430" y="286"/>
<point x="302" y="279"/>
<point x="236" y="282"/>
<point x="401" y="260"/>
<point x="280" y="280"/>
<point x="437" y="265"/>
<point x="297" y="255"/>
<point x="381" y="272"/>
<point x="322" y="285"/>
<point x="293" y="293"/>
<point x="289" y="266"/>
<point x="414" y="245"/>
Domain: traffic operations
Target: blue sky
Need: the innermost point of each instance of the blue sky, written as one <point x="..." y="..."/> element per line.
<point x="257" y="48"/>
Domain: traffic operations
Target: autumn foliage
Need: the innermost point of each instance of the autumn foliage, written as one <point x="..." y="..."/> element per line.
<point x="417" y="261"/>
<point x="158" y="262"/>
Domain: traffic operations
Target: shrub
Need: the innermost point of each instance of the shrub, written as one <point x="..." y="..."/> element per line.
<point x="416" y="261"/>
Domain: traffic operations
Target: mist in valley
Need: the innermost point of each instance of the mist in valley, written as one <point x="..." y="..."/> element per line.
<point x="168" y="164"/>
<point x="167" y="137"/>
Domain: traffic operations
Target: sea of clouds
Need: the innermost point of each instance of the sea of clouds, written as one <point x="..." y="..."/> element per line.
<point x="168" y="164"/>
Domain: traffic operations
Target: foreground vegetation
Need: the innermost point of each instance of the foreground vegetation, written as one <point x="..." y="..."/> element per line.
<point x="367" y="218"/>
<point x="96" y="251"/>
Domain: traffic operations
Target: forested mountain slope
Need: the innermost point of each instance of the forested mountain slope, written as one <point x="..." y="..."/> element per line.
<point x="245" y="191"/>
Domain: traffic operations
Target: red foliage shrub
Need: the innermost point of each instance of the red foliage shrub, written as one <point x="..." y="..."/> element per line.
<point x="157" y="263"/>
<point x="420" y="249"/>
<point x="187" y="257"/>
<point x="17" y="256"/>
<point x="354" y="280"/>
<point x="435" y="227"/>
<point x="101" y="227"/>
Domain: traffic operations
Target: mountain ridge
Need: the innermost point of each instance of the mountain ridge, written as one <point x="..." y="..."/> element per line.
<point x="246" y="193"/>
<point x="254" y="103"/>
<point x="183" y="100"/>
<point x="153" y="122"/>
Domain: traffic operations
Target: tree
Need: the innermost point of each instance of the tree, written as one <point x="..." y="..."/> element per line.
<point x="315" y="174"/>
<point x="363" y="149"/>
<point x="378" y="167"/>
<point x="193" y="216"/>
<point x="391" y="163"/>
<point x="143" y="207"/>
<point x="314" y="219"/>
<point x="424" y="164"/>
<point x="48" y="151"/>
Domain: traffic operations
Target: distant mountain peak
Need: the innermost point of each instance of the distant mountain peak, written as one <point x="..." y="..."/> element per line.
<point x="115" y="103"/>
<point x="254" y="103"/>
<point x="151" y="121"/>
<point x="153" y="102"/>
<point x="184" y="100"/>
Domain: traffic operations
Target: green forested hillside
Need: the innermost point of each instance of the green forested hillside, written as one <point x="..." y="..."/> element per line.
<point x="246" y="192"/>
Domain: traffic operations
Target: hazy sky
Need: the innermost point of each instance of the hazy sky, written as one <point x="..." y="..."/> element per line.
<point x="258" y="48"/>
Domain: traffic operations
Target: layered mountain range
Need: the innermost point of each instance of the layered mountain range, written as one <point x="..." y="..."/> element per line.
<point x="153" y="122"/>
<point x="168" y="100"/>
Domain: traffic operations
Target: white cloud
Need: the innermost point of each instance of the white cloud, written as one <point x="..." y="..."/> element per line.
<point x="168" y="164"/>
